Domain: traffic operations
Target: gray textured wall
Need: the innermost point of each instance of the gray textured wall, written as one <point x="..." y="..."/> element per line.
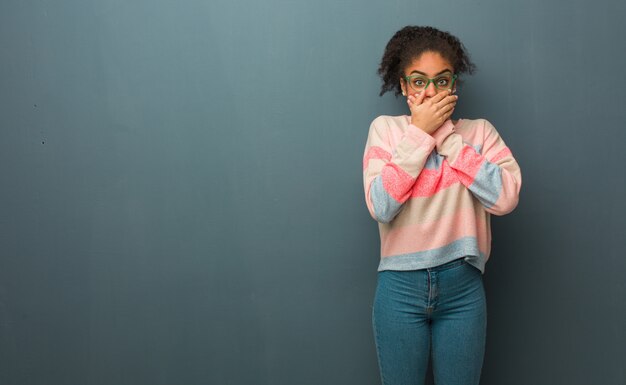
<point x="182" y="202"/>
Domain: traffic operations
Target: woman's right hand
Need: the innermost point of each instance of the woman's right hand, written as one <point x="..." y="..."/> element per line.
<point x="429" y="115"/>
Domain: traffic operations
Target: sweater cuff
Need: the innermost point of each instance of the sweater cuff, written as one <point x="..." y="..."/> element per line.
<point x="451" y="147"/>
<point x="411" y="152"/>
<point x="443" y="132"/>
<point x="419" y="137"/>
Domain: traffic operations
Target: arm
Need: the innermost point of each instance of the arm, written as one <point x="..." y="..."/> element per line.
<point x="492" y="175"/>
<point x="389" y="174"/>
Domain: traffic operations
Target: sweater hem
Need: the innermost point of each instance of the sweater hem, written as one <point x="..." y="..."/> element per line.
<point x="464" y="247"/>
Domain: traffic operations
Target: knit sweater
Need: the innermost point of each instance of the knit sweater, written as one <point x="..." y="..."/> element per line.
<point x="432" y="196"/>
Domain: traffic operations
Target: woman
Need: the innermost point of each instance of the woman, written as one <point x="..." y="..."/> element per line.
<point x="432" y="184"/>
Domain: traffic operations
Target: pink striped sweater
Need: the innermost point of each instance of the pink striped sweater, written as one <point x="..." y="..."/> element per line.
<point x="433" y="195"/>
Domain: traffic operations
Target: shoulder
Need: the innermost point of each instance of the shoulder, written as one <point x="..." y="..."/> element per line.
<point x="474" y="124"/>
<point x="385" y="130"/>
<point x="477" y="127"/>
<point x="389" y="119"/>
<point x="389" y="122"/>
<point x="477" y="132"/>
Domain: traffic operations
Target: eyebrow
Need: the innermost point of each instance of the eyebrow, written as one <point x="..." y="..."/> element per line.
<point x="422" y="73"/>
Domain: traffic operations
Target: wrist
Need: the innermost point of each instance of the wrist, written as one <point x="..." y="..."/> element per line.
<point x="443" y="132"/>
<point x="417" y="123"/>
<point x="418" y="135"/>
<point x="450" y="147"/>
<point x="422" y="126"/>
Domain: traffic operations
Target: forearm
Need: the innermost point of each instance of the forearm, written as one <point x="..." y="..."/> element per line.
<point x="389" y="177"/>
<point x="495" y="179"/>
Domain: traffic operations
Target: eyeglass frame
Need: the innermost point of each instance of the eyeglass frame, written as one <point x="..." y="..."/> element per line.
<point x="430" y="80"/>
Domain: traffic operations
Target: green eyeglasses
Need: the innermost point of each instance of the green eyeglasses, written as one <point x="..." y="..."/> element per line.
<point x="442" y="82"/>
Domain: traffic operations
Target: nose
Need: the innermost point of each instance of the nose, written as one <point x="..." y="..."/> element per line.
<point x="430" y="90"/>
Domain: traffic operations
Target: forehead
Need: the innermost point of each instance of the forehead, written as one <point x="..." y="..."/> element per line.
<point x="430" y="63"/>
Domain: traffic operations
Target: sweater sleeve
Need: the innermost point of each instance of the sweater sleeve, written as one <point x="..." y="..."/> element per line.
<point x="390" y="173"/>
<point x="490" y="173"/>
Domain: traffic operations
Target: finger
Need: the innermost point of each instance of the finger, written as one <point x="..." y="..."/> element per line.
<point x="444" y="109"/>
<point x="411" y="101"/>
<point x="448" y="114"/>
<point x="441" y="95"/>
<point x="415" y="99"/>
<point x="445" y="103"/>
<point x="419" y="98"/>
<point x="447" y="100"/>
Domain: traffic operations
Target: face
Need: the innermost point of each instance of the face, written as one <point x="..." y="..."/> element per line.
<point x="430" y="65"/>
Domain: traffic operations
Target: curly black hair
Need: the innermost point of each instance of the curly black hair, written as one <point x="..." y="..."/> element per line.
<point x="411" y="42"/>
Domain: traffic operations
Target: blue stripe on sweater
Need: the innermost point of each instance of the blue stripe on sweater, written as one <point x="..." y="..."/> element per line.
<point x="434" y="161"/>
<point x="487" y="184"/>
<point x="385" y="207"/>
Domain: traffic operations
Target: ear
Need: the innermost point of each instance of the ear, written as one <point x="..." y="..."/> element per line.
<point x="403" y="86"/>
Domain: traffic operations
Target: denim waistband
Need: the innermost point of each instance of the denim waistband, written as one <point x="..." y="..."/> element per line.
<point x="448" y="265"/>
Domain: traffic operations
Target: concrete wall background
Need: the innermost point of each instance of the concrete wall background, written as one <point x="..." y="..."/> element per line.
<point x="182" y="201"/>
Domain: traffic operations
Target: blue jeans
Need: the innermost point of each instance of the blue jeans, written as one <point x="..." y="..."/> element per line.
<point x="440" y="310"/>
